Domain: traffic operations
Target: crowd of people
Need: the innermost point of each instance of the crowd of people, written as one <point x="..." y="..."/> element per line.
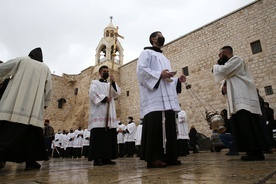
<point x="163" y="133"/>
<point x="72" y="144"/>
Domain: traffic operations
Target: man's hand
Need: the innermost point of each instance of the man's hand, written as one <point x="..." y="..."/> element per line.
<point x="109" y="99"/>
<point x="166" y="74"/>
<point x="182" y="78"/>
<point x="112" y="78"/>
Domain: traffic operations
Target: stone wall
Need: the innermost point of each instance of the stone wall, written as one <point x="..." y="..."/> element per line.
<point x="199" y="51"/>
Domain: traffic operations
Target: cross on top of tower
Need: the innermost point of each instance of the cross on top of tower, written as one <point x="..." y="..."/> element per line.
<point x="111" y="17"/>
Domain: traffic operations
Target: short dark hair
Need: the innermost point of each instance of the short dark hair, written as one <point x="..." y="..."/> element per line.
<point x="130" y="118"/>
<point x="224" y="111"/>
<point x="152" y="35"/>
<point x="102" y="67"/>
<point x="47" y="121"/>
<point x="229" y="48"/>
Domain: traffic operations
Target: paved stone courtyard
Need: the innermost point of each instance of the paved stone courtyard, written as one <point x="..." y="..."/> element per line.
<point x="203" y="167"/>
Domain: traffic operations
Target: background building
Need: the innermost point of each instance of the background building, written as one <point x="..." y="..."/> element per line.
<point x="249" y="30"/>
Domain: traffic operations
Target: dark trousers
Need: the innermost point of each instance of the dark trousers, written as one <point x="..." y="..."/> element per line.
<point x="77" y="152"/>
<point x="130" y="148"/>
<point x="121" y="149"/>
<point x="103" y="144"/>
<point x="85" y="151"/>
<point x="21" y="143"/>
<point x="152" y="137"/>
<point x="48" y="144"/>
<point x="183" y="147"/>
<point x="247" y="131"/>
<point x="138" y="150"/>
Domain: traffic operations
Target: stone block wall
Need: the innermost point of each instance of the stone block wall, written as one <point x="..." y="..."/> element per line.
<point x="199" y="51"/>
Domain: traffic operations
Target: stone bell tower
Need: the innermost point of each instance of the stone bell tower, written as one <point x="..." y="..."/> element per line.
<point x="105" y="53"/>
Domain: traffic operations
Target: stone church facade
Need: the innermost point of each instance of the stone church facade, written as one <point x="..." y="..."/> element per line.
<point x="249" y="30"/>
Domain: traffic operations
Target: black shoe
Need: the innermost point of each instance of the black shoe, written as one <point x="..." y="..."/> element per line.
<point x="258" y="157"/>
<point x="2" y="164"/>
<point x="108" y="162"/>
<point x="98" y="162"/>
<point x="231" y="153"/>
<point x="156" y="164"/>
<point x="177" y="162"/>
<point x="32" y="166"/>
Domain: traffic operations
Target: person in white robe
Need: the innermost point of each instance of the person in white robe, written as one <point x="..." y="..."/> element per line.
<point x="77" y="146"/>
<point x="71" y="138"/>
<point x="64" y="144"/>
<point x="158" y="102"/>
<point x="243" y="104"/>
<point x="130" y="131"/>
<point x="182" y="133"/>
<point x="57" y="144"/>
<point x="121" y="139"/>
<point x="137" y="138"/>
<point x="103" y="125"/>
<point x="85" y="143"/>
<point x="22" y="105"/>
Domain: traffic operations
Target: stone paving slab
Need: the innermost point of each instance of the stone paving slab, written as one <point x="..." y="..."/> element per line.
<point x="203" y="167"/>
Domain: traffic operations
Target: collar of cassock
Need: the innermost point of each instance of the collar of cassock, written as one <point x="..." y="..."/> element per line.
<point x="103" y="80"/>
<point x="154" y="48"/>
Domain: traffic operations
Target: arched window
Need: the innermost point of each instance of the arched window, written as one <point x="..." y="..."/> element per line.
<point x="61" y="101"/>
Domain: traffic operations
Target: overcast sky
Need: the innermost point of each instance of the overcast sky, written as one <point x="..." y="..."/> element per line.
<point x="68" y="31"/>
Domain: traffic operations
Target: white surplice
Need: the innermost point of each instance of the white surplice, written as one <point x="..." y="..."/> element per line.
<point x="138" y="135"/>
<point x="131" y="127"/>
<point x="182" y="126"/>
<point x="98" y="110"/>
<point x="241" y="90"/>
<point x="120" y="134"/>
<point x="86" y="138"/>
<point x="71" y="137"/>
<point x="57" y="140"/>
<point x="78" y="139"/>
<point x="28" y="91"/>
<point x="149" y="68"/>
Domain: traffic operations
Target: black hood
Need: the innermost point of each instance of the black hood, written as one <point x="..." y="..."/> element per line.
<point x="36" y="54"/>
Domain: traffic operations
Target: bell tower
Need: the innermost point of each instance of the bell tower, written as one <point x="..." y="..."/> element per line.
<point x="105" y="49"/>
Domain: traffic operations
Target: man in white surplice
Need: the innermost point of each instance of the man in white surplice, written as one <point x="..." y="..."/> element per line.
<point x="182" y="133"/>
<point x="137" y="138"/>
<point x="158" y="101"/>
<point x="103" y="142"/>
<point x="243" y="104"/>
<point x="129" y="137"/>
<point x="121" y="139"/>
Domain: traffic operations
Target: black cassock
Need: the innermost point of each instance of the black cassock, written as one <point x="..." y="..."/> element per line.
<point x="21" y="143"/>
<point x="247" y="132"/>
<point x="152" y="137"/>
<point x="103" y="144"/>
